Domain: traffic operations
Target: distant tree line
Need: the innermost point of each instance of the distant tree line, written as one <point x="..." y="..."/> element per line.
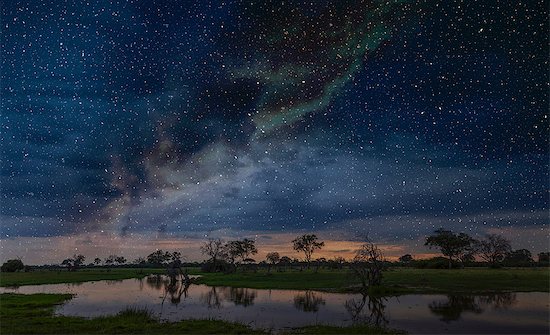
<point x="458" y="250"/>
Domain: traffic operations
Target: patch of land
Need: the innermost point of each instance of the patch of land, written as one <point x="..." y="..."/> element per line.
<point x="396" y="280"/>
<point x="33" y="314"/>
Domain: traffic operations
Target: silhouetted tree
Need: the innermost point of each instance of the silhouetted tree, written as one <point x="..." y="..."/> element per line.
<point x="544" y="258"/>
<point x="216" y="251"/>
<point x="458" y="247"/>
<point x="12" y="265"/>
<point x="493" y="249"/>
<point x="238" y="251"/>
<point x="120" y="260"/>
<point x="307" y="244"/>
<point x="407" y="258"/>
<point x="139" y="261"/>
<point x="272" y="259"/>
<point x="284" y="261"/>
<point x="78" y="260"/>
<point x="110" y="260"/>
<point x="159" y="258"/>
<point x="97" y="261"/>
<point x="368" y="265"/>
<point x="520" y="257"/>
<point x="74" y="263"/>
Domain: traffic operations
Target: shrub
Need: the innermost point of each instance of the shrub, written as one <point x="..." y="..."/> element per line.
<point x="12" y="265"/>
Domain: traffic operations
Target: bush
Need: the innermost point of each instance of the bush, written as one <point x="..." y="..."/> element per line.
<point x="12" y="265"/>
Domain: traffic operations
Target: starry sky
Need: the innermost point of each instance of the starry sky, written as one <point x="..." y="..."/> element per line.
<point x="134" y="125"/>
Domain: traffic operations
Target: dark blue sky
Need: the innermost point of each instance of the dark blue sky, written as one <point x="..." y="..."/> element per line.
<point x="192" y="118"/>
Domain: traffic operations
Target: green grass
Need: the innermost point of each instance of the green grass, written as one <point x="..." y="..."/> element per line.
<point x="64" y="276"/>
<point x="32" y="314"/>
<point x="359" y="329"/>
<point x="396" y="281"/>
<point x="298" y="280"/>
<point x="470" y="280"/>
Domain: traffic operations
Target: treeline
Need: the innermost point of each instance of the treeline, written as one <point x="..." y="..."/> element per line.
<point x="458" y="250"/>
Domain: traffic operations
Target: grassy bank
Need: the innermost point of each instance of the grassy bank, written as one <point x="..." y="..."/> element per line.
<point x="32" y="314"/>
<point x="396" y="280"/>
<point x="64" y="276"/>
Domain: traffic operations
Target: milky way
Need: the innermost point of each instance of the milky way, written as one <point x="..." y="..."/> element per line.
<point x="181" y="120"/>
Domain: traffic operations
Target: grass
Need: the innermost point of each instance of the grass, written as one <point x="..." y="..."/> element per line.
<point x="32" y="314"/>
<point x="470" y="280"/>
<point x="359" y="329"/>
<point x="396" y="280"/>
<point x="64" y="276"/>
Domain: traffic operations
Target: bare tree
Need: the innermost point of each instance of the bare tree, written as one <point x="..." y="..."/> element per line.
<point x="307" y="244"/>
<point x="214" y="248"/>
<point x="493" y="249"/>
<point x="368" y="265"/>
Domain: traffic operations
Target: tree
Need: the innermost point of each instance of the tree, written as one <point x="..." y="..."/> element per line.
<point x="78" y="260"/>
<point x="214" y="248"/>
<point x="407" y="258"/>
<point x="240" y="250"/>
<point x="73" y="263"/>
<point x="159" y="258"/>
<point x="110" y="260"/>
<point x="307" y="244"/>
<point x="12" y="265"/>
<point x="120" y="260"/>
<point x="97" y="261"/>
<point x="459" y="247"/>
<point x="544" y="257"/>
<point x="520" y="257"/>
<point x="368" y="265"/>
<point x="272" y="258"/>
<point x="139" y="261"/>
<point x="493" y="249"/>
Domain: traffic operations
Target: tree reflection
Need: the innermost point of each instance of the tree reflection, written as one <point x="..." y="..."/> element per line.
<point x="367" y="310"/>
<point x="241" y="296"/>
<point x="212" y="298"/>
<point x="452" y="309"/>
<point x="499" y="301"/>
<point x="308" y="301"/>
<point x="157" y="282"/>
<point x="173" y="289"/>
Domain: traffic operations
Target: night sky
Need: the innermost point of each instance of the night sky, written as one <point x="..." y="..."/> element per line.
<point x="134" y="125"/>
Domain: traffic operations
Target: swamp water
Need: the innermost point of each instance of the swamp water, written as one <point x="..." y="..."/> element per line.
<point x="280" y="309"/>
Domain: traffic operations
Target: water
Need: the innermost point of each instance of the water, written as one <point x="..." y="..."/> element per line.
<point x="281" y="309"/>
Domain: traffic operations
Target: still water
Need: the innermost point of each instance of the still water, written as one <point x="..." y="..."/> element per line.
<point x="280" y="309"/>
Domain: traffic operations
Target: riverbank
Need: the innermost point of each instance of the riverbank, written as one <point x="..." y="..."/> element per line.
<point x="33" y="314"/>
<point x="396" y="280"/>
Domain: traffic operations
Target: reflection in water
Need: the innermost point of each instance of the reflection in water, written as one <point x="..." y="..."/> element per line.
<point x="308" y="301"/>
<point x="240" y="296"/>
<point x="367" y="310"/>
<point x="212" y="298"/>
<point x="452" y="309"/>
<point x="173" y="288"/>
<point x="283" y="309"/>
